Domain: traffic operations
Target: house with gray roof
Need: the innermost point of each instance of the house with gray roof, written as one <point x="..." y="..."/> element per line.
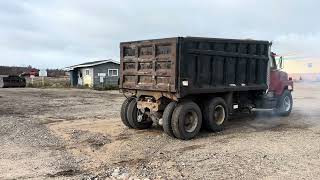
<point x="101" y="73"/>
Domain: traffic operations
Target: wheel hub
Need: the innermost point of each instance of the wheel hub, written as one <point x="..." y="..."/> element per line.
<point x="139" y="115"/>
<point x="219" y="114"/>
<point x="286" y="103"/>
<point x="191" y="121"/>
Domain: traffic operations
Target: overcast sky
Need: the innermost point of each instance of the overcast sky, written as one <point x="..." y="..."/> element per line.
<point x="59" y="33"/>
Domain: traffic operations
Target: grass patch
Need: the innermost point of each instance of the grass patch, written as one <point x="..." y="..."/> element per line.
<point x="49" y="82"/>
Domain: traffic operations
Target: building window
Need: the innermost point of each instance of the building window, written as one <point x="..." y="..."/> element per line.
<point x="87" y="72"/>
<point x="112" y="72"/>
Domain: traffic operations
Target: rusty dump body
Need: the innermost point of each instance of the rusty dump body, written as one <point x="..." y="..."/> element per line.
<point x="182" y="66"/>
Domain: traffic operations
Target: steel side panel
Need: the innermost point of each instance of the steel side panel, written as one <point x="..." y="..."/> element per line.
<point x="217" y="65"/>
<point x="149" y="65"/>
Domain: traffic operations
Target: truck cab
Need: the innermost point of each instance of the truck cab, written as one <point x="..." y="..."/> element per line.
<point x="280" y="86"/>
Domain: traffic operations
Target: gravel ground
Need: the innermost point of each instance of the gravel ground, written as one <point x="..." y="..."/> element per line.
<point x="77" y="134"/>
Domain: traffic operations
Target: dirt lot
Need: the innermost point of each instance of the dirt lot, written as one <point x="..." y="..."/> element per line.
<point x="74" y="134"/>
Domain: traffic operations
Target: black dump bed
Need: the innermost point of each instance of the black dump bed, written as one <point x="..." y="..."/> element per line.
<point x="192" y="65"/>
<point x="12" y="81"/>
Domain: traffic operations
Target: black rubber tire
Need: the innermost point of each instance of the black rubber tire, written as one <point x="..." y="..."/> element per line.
<point x="124" y="109"/>
<point x="178" y="120"/>
<point x="280" y="109"/>
<point x="166" y="118"/>
<point x="133" y="118"/>
<point x="209" y="120"/>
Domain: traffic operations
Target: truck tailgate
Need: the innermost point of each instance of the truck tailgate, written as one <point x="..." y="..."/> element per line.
<point x="149" y="65"/>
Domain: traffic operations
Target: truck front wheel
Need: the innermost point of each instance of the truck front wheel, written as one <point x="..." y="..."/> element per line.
<point x="136" y="118"/>
<point x="215" y="114"/>
<point x="186" y="120"/>
<point x="284" y="104"/>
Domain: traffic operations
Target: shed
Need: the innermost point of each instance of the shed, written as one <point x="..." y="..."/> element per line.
<point x="94" y="74"/>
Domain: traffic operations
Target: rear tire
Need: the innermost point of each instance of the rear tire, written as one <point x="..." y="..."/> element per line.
<point x="284" y="104"/>
<point x="124" y="109"/>
<point x="132" y="115"/>
<point x="186" y="120"/>
<point x="215" y="114"/>
<point x="166" y="118"/>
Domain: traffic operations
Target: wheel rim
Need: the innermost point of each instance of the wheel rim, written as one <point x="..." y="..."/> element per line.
<point x="219" y="114"/>
<point x="286" y="103"/>
<point x="190" y="121"/>
<point x="140" y="116"/>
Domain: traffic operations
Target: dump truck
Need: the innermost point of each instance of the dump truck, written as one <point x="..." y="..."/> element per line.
<point x="185" y="83"/>
<point x="10" y="81"/>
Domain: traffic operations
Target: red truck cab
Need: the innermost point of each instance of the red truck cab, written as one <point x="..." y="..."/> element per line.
<point x="280" y="87"/>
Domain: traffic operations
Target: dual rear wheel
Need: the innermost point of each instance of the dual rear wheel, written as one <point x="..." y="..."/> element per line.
<point x="132" y="117"/>
<point x="184" y="120"/>
<point x="215" y="114"/>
